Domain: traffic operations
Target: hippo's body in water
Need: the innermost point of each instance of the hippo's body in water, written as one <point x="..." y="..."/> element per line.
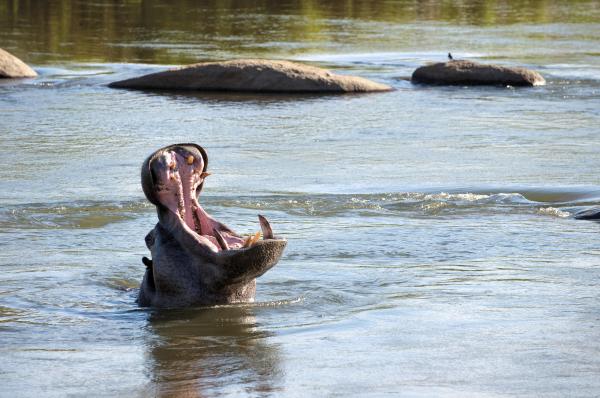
<point x="589" y="214"/>
<point x="196" y="260"/>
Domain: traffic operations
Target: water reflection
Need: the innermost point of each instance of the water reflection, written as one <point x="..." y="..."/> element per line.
<point x="212" y="351"/>
<point x="233" y="98"/>
<point x="183" y="31"/>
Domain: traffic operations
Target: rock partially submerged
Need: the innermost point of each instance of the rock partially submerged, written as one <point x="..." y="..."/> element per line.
<point x="462" y="72"/>
<point x="13" y="67"/>
<point x="252" y="75"/>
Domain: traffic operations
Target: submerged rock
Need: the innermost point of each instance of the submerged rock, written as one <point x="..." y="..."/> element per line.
<point x="252" y="75"/>
<point x="12" y="67"/>
<point x="589" y="214"/>
<point x="463" y="72"/>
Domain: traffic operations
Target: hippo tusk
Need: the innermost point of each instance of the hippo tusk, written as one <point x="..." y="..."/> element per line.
<point x="220" y="239"/>
<point x="265" y="227"/>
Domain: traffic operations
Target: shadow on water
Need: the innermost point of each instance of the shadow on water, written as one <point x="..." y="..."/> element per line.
<point x="237" y="97"/>
<point x="210" y="351"/>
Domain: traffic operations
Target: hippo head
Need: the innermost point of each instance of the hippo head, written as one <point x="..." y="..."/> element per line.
<point x="196" y="260"/>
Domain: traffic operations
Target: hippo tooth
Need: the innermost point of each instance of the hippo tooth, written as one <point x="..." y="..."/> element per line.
<point x="190" y="159"/>
<point x="220" y="239"/>
<point x="205" y="174"/>
<point x="172" y="165"/>
<point x="265" y="227"/>
<point x="250" y="240"/>
<point x="255" y="238"/>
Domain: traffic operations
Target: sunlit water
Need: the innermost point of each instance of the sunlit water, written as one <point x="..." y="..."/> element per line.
<point x="432" y="249"/>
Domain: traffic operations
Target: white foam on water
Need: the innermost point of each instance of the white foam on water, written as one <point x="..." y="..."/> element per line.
<point x="467" y="197"/>
<point x="554" y="212"/>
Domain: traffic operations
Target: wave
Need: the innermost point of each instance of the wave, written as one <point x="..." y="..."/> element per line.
<point x="96" y="214"/>
<point x="84" y="214"/>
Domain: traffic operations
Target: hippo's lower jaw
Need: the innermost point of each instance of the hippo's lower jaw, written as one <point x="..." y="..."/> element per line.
<point x="196" y="260"/>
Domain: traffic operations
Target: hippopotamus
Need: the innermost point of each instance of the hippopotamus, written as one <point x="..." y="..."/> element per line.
<point x="196" y="260"/>
<point x="588" y="214"/>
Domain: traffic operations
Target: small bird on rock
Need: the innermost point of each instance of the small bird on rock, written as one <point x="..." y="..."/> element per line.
<point x="450" y="57"/>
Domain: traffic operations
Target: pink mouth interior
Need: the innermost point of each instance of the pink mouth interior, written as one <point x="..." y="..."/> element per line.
<point x="177" y="177"/>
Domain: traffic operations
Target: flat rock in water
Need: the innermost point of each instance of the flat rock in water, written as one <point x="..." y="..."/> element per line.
<point x="460" y="72"/>
<point x="12" y="67"/>
<point x="252" y="75"/>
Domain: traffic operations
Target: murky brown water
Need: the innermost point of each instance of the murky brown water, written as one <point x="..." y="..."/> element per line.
<point x="431" y="249"/>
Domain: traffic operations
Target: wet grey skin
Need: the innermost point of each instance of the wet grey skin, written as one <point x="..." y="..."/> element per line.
<point x="589" y="214"/>
<point x="196" y="260"/>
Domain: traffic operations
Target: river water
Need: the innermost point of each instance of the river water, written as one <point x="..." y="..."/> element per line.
<point x="432" y="249"/>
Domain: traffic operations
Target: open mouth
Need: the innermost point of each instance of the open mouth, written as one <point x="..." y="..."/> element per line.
<point x="177" y="175"/>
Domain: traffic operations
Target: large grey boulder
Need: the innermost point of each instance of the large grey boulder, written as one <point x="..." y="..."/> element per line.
<point x="12" y="67"/>
<point x="473" y="73"/>
<point x="252" y="75"/>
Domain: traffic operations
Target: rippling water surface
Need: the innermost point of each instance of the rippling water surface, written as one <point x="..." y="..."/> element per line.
<point x="432" y="249"/>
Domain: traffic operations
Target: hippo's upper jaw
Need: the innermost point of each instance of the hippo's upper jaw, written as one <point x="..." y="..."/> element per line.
<point x="196" y="260"/>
